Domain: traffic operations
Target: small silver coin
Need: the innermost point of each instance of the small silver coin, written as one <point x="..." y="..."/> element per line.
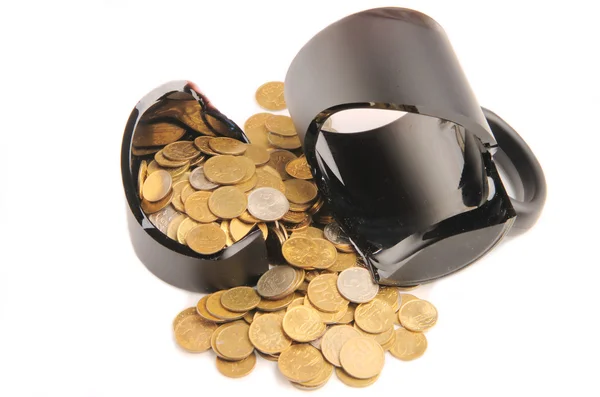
<point x="356" y="285"/>
<point x="335" y="234"/>
<point x="267" y="204"/>
<point x="162" y="218"/>
<point x="275" y="281"/>
<point x="199" y="181"/>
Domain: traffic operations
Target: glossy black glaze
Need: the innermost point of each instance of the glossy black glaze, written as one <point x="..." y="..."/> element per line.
<point x="421" y="196"/>
<point x="176" y="264"/>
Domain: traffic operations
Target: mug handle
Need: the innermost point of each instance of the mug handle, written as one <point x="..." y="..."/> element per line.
<point x="522" y="169"/>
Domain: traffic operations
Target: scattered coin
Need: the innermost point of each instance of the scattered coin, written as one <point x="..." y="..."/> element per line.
<point x="157" y="186"/>
<point x="281" y="125"/>
<point x="324" y="295"/>
<point x="183" y="314"/>
<point x="197" y="207"/>
<point x="334" y="339"/>
<point x="418" y="315"/>
<point x="279" y="159"/>
<point x="299" y="191"/>
<point x="224" y="170"/>
<point x="236" y="369"/>
<point x="258" y="154"/>
<point x="181" y="150"/>
<point x="299" y="168"/>
<point x="303" y="324"/>
<point x="193" y="333"/>
<point x="227" y="202"/>
<point x="215" y="308"/>
<point x="270" y="96"/>
<point x="206" y="239"/>
<point x="165" y="162"/>
<point x="256" y="131"/>
<point x="352" y="381"/>
<point x="233" y="342"/>
<point x="335" y="234"/>
<point x="240" y="299"/>
<point x="174" y="226"/>
<point x="356" y="285"/>
<point x="362" y="357"/>
<point x="225" y="145"/>
<point x="201" y="144"/>
<point x="301" y="363"/>
<point x="343" y="261"/>
<point x="374" y="317"/>
<point x="266" y="334"/>
<point x="161" y="219"/>
<point x="151" y="207"/>
<point x="326" y="254"/>
<point x="275" y="281"/>
<point x="267" y="204"/>
<point x="408" y="345"/>
<point x="284" y="142"/>
<point x="299" y="251"/>
<point x="199" y="182"/>
<point x="184" y="228"/>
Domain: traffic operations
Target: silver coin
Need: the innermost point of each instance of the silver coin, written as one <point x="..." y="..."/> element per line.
<point x="356" y="285"/>
<point x="162" y="218"/>
<point x="199" y="181"/>
<point x="267" y="204"/>
<point x="275" y="281"/>
<point x="335" y="234"/>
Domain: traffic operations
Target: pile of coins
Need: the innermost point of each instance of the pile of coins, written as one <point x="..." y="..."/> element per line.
<point x="315" y="311"/>
<point x="210" y="192"/>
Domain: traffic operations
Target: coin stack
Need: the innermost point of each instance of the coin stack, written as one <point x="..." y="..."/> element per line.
<point x="316" y="311"/>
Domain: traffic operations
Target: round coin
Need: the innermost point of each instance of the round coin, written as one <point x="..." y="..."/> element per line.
<point x="163" y="218"/>
<point x="303" y="324"/>
<point x="201" y="144"/>
<point x="233" y="342"/>
<point x="206" y="239"/>
<point x="227" y="202"/>
<point x="193" y="333"/>
<point x="374" y="317"/>
<point x="362" y="357"/>
<point x="281" y="125"/>
<point x="256" y="131"/>
<point x="181" y="150"/>
<point x="266" y="179"/>
<point x="326" y="254"/>
<point x="352" y="381"/>
<point x="203" y="312"/>
<point x="174" y="226"/>
<point x="240" y="299"/>
<point x="324" y="295"/>
<point x="239" y="229"/>
<point x="284" y="142"/>
<point x="299" y="168"/>
<point x="267" y="204"/>
<point x="270" y="305"/>
<point x="183" y="314"/>
<point x="334" y="339"/>
<point x="312" y="232"/>
<point x="299" y="191"/>
<point x="301" y="363"/>
<point x="381" y="338"/>
<point x="199" y="182"/>
<point x="275" y="281"/>
<point x="418" y="315"/>
<point x="408" y="345"/>
<point x="328" y="318"/>
<point x="299" y="251"/>
<point x="197" y="207"/>
<point x="389" y="295"/>
<point x="279" y="160"/>
<point x="270" y="96"/>
<point x="214" y="307"/>
<point x="224" y="170"/>
<point x="224" y="145"/>
<point x="356" y="285"/>
<point x="258" y="154"/>
<point x="236" y="369"/>
<point x="157" y="186"/>
<point x="165" y="162"/>
<point x="320" y="380"/>
<point x="266" y="334"/>
<point x="184" y="228"/>
<point x="152" y="207"/>
<point x="295" y="217"/>
<point x="343" y="261"/>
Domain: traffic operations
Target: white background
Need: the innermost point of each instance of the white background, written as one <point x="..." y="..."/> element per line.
<point x="81" y="316"/>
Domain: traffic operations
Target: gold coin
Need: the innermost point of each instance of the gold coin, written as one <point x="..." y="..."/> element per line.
<point x="225" y="227"/>
<point x="280" y="313"/>
<point x="362" y="357"/>
<point x="203" y="312"/>
<point x="197" y="207"/>
<point x="418" y="315"/>
<point x="388" y="345"/>
<point x="299" y="191"/>
<point x="213" y="339"/>
<point x="320" y="380"/>
<point x="348" y="316"/>
<point x="225" y="145"/>
<point x="303" y="324"/>
<point x="343" y="261"/>
<point x="246" y="217"/>
<point x="193" y="333"/>
<point x="408" y="345"/>
<point x="299" y="251"/>
<point x="183" y="177"/>
<point x="142" y="175"/>
<point x="174" y="172"/>
<point x="312" y="274"/>
<point x="295" y="217"/>
<point x="197" y="161"/>
<point x="183" y="314"/>
<point x="236" y="369"/>
<point x="381" y="338"/>
<point x="404" y="299"/>
<point x="151" y="207"/>
<point x="174" y="226"/>
<point x="144" y="151"/>
<point x="156" y="134"/>
<point x="239" y="229"/>
<point x="266" y="179"/>
<point x="270" y="96"/>
<point x="248" y="185"/>
<point x="324" y="295"/>
<point x="248" y="166"/>
<point x="249" y="316"/>
<point x="374" y="317"/>
<point x="224" y="170"/>
<point x="178" y="189"/>
<point x="240" y="299"/>
<point x="316" y="206"/>
<point x="214" y="307"/>
<point x="201" y="144"/>
<point x="389" y="295"/>
<point x="299" y="207"/>
<point x="299" y="169"/>
<point x="300" y="363"/>
<point x="266" y="334"/>
<point x="352" y="381"/>
<point x="165" y="162"/>
<point x="184" y="228"/>
<point x="296" y="302"/>
<point x="227" y="202"/>
<point x="269" y="357"/>
<point x="264" y="229"/>
<point x="284" y="142"/>
<point x="312" y="232"/>
<point x="279" y="159"/>
<point x="256" y="131"/>
<point x="275" y="305"/>
<point x="258" y="154"/>
<point x="326" y="254"/>
<point x="233" y="342"/>
<point x="181" y="150"/>
<point x="206" y="239"/>
<point x="281" y="125"/>
<point x="291" y="228"/>
<point x="334" y="339"/>
<point x="157" y="186"/>
<point x="186" y="192"/>
<point x="328" y="318"/>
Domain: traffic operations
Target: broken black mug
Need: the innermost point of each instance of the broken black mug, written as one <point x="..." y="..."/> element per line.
<point x="420" y="197"/>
